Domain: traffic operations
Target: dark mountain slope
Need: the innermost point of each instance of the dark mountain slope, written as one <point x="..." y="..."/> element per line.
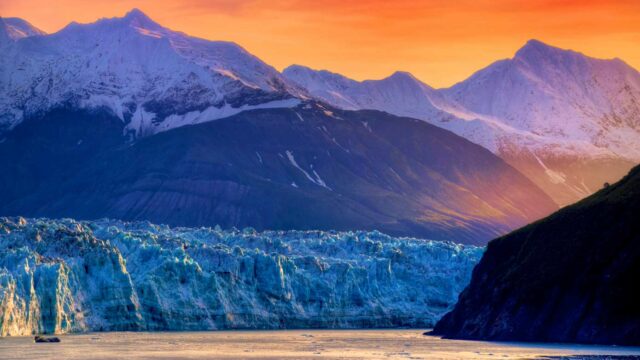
<point x="309" y="167"/>
<point x="572" y="277"/>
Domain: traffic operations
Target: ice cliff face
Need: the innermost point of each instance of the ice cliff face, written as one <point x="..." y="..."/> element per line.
<point x="65" y="276"/>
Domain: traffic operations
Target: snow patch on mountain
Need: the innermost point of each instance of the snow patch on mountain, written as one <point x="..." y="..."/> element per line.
<point x="142" y="122"/>
<point x="316" y="179"/>
<point x="59" y="276"/>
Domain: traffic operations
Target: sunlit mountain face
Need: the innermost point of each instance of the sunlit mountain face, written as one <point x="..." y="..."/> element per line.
<point x="116" y="119"/>
<point x="567" y="121"/>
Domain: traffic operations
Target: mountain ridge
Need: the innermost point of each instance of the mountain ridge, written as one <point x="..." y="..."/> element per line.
<point x="540" y="111"/>
<point x="405" y="96"/>
<point x="148" y="75"/>
<point x="155" y="80"/>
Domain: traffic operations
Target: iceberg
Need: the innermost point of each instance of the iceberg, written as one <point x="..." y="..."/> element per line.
<point x="60" y="276"/>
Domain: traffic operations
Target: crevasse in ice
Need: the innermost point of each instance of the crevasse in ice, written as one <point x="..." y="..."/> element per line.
<point x="60" y="276"/>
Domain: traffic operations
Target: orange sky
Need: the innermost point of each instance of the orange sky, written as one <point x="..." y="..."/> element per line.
<point x="439" y="41"/>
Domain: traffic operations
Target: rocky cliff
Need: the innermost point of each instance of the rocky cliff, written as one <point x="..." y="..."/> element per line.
<point x="572" y="277"/>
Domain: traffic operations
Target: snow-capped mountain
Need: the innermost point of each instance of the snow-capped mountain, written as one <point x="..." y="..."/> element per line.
<point x="403" y="94"/>
<point x="400" y="94"/>
<point x="92" y="125"/>
<point x="562" y="95"/>
<point x="586" y="111"/>
<point x="151" y="77"/>
<point x="567" y="121"/>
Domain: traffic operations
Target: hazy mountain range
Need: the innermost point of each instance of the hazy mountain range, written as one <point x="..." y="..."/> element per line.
<point x="567" y="121"/>
<point x="114" y="118"/>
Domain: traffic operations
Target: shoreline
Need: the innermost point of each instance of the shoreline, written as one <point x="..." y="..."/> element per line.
<point x="293" y="344"/>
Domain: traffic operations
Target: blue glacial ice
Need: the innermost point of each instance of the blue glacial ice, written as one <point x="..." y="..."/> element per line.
<point x="59" y="276"/>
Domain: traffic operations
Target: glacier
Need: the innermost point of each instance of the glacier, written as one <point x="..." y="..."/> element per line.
<point x="60" y="276"/>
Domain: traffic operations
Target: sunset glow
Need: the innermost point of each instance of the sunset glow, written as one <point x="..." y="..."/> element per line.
<point x="441" y="42"/>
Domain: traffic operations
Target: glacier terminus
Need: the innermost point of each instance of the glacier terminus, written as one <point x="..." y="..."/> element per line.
<point x="61" y="276"/>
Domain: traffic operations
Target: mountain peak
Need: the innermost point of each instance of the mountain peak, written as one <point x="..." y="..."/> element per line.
<point x="402" y="75"/>
<point x="405" y="78"/>
<point x="136" y="17"/>
<point x="306" y="76"/>
<point x="17" y="28"/>
<point x="135" y="13"/>
<point x="534" y="46"/>
<point x="537" y="43"/>
<point x="536" y="50"/>
<point x="297" y="68"/>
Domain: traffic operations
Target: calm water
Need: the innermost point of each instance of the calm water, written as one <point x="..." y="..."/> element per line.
<point x="295" y="344"/>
